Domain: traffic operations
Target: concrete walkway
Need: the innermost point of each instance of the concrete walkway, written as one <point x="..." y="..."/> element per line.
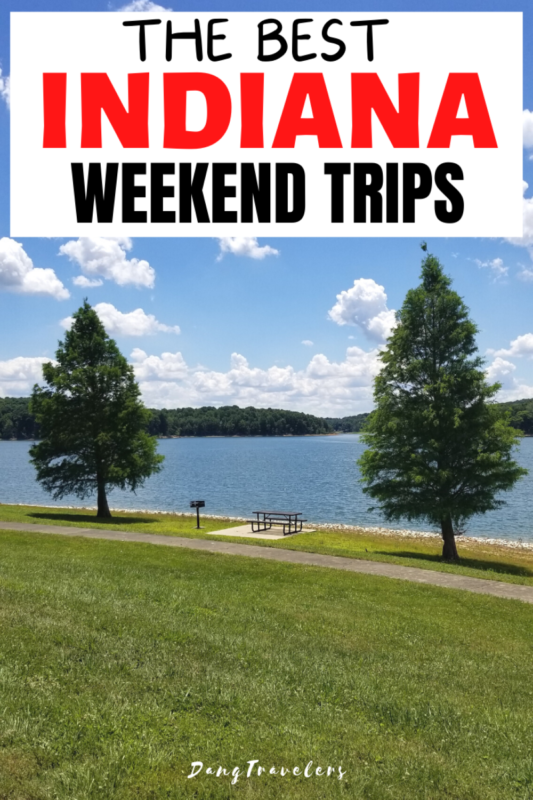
<point x="246" y="532"/>
<point x="510" y="591"/>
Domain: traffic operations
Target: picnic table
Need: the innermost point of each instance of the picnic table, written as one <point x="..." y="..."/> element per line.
<point x="290" y="521"/>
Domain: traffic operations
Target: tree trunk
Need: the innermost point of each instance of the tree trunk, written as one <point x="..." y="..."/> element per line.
<point x="103" y="508"/>
<point x="449" y="550"/>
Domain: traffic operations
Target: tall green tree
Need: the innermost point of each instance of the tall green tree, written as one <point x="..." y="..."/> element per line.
<point x="93" y="423"/>
<point x="438" y="449"/>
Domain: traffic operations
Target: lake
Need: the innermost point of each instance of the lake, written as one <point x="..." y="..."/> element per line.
<point x="317" y="475"/>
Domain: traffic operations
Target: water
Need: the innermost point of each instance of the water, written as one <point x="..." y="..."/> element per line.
<point x="315" y="475"/>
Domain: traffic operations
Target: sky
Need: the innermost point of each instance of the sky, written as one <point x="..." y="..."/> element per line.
<point x="295" y="323"/>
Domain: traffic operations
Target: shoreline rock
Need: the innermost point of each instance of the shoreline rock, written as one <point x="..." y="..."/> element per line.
<point x="517" y="544"/>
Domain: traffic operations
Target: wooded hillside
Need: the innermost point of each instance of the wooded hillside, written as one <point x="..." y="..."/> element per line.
<point x="347" y="424"/>
<point x="521" y="412"/>
<point x="234" y="421"/>
<point x="16" y="422"/>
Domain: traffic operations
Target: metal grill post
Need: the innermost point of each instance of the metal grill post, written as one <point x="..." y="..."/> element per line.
<point x="197" y="504"/>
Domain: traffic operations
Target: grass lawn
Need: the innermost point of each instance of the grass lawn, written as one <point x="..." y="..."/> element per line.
<point x="478" y="560"/>
<point x="120" y="664"/>
<point x="169" y="524"/>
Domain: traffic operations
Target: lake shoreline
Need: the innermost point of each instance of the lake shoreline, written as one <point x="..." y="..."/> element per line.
<point x="516" y="544"/>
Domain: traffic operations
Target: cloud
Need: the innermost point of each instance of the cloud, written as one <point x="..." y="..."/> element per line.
<point x="502" y="371"/>
<point x="323" y="387"/>
<point x="5" y="88"/>
<point x="244" y="246"/>
<point x="307" y="342"/>
<point x="365" y="306"/>
<point x="18" y="375"/>
<point x="520" y="347"/>
<point x="525" y="274"/>
<point x="526" y="240"/>
<point x="518" y="391"/>
<point x="495" y="266"/>
<point x="168" y="366"/>
<point x="527" y="121"/>
<point x="86" y="283"/>
<point x="143" y="6"/>
<point x="100" y="257"/>
<point x="17" y="273"/>
<point x="134" y="323"/>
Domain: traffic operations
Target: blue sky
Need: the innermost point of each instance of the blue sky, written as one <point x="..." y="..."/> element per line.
<point x="287" y="323"/>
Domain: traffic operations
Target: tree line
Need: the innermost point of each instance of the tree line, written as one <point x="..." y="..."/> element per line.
<point x="235" y="421"/>
<point x="352" y="424"/>
<point x="17" y="422"/>
<point x="520" y="415"/>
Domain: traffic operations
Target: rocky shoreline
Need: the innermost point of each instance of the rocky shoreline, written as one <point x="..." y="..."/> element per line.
<point x="517" y="544"/>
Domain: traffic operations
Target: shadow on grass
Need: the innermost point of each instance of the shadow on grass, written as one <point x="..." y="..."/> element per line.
<point x="471" y="563"/>
<point x="61" y="517"/>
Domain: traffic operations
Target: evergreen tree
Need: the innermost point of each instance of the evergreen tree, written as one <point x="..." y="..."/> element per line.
<point x="93" y="423"/>
<point x="438" y="449"/>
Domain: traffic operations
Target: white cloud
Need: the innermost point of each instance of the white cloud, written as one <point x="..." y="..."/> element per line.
<point x="495" y="266"/>
<point x="526" y="240"/>
<point x="100" y="257"/>
<point x="134" y="323"/>
<point x="168" y="366"/>
<point x="244" y="246"/>
<point x="18" y="375"/>
<point x="527" y="237"/>
<point x="5" y="88"/>
<point x="519" y="391"/>
<point x="520" y="347"/>
<point x="307" y="342"/>
<point x="143" y="6"/>
<point x="86" y="283"/>
<point x="323" y="387"/>
<point x="503" y="372"/>
<point x="365" y="306"/>
<point x="525" y="274"/>
<point x="527" y="120"/>
<point x="17" y="273"/>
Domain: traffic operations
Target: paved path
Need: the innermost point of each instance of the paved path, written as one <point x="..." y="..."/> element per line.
<point x="510" y="591"/>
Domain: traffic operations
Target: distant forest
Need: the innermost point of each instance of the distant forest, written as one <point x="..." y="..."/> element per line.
<point x="234" y="421"/>
<point x="521" y="412"/>
<point x="347" y="424"/>
<point x="16" y="422"/>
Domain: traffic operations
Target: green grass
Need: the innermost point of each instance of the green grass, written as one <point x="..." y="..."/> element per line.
<point x="120" y="664"/>
<point x="166" y="524"/>
<point x="491" y="562"/>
